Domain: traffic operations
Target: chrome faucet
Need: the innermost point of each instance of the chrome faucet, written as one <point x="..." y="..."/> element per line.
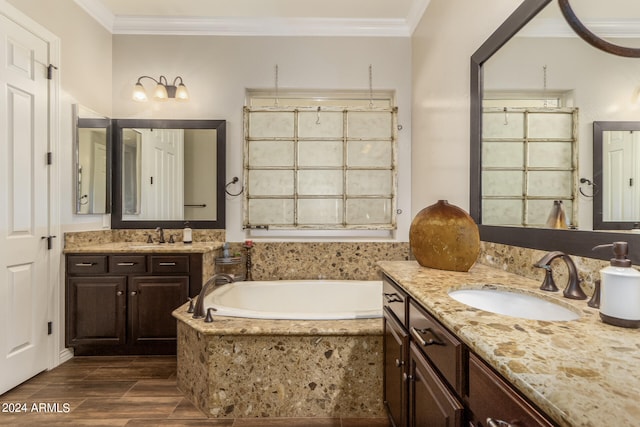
<point x="573" y="289"/>
<point x="160" y="235"/>
<point x="199" y="311"/>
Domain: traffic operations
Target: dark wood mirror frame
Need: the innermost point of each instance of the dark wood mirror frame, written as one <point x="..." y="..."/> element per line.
<point x="598" y="129"/>
<point x="218" y="125"/>
<point x="574" y="242"/>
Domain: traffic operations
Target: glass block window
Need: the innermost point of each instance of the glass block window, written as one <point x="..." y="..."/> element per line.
<point x="320" y="166"/>
<point x="529" y="158"/>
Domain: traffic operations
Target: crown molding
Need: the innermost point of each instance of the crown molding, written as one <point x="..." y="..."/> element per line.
<point x="557" y="27"/>
<point x="98" y="11"/>
<point x="416" y="11"/>
<point x="268" y="26"/>
<point x="250" y="26"/>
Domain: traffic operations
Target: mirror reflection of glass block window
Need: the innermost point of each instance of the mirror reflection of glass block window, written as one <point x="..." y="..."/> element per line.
<point x="529" y="158"/>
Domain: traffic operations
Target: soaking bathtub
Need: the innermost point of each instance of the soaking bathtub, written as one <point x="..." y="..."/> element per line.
<point x="298" y="299"/>
<point x="276" y="349"/>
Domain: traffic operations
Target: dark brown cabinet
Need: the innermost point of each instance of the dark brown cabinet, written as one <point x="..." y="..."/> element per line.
<point x="431" y="403"/>
<point x="122" y="304"/>
<point x="396" y="351"/>
<point x="492" y="400"/>
<point x="433" y="379"/>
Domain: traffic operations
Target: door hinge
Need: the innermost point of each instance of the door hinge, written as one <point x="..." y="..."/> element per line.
<point x="49" y="241"/>
<point x="49" y="158"/>
<point x="50" y="69"/>
<point x="49" y="328"/>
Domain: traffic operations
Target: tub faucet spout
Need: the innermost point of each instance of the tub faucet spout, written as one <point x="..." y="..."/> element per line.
<point x="199" y="311"/>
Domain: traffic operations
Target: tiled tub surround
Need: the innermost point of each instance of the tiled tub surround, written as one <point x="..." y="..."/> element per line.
<point x="234" y="368"/>
<point x="581" y="373"/>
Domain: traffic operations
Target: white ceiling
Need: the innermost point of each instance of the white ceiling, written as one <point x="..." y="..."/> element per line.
<point x="384" y="18"/>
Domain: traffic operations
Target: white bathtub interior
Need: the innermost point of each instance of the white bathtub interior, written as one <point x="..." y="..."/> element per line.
<point x="298" y="299"/>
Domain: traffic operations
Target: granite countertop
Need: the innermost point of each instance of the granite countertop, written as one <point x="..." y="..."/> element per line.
<point x="144" y="248"/>
<point x="581" y="373"/>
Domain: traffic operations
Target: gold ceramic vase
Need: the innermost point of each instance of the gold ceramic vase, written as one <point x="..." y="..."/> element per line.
<point x="445" y="237"/>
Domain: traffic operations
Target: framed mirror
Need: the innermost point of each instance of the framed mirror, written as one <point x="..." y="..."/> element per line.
<point x="92" y="162"/>
<point x="168" y="172"/>
<point x="576" y="242"/>
<point x="616" y="161"/>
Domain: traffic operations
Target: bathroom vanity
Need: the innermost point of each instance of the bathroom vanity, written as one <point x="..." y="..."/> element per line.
<point x="449" y="364"/>
<point x="119" y="296"/>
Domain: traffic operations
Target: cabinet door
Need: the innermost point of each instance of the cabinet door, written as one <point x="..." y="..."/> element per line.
<point x="491" y="398"/>
<point x="96" y="310"/>
<point x="396" y="341"/>
<point x="431" y="404"/>
<point x="151" y="301"/>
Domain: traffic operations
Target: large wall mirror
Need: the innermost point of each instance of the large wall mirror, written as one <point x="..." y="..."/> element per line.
<point x="92" y="161"/>
<point x="168" y="172"/>
<point x="535" y="56"/>
<point x="616" y="162"/>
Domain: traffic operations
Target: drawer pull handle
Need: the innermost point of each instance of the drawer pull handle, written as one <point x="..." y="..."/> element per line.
<point x="119" y="293"/>
<point x="406" y="377"/>
<point x="393" y="297"/>
<point x="399" y="363"/>
<point x="167" y="264"/>
<point x="134" y="293"/>
<point x="126" y="264"/>
<point x="417" y="334"/>
<point x="498" y="423"/>
<point x="85" y="264"/>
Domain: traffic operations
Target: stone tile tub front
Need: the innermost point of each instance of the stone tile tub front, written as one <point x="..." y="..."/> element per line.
<point x="238" y="367"/>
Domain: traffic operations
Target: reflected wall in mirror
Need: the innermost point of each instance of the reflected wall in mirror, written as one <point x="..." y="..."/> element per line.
<point x="92" y="162"/>
<point x="546" y="63"/>
<point x="616" y="148"/>
<point x="167" y="172"/>
<point x="574" y="242"/>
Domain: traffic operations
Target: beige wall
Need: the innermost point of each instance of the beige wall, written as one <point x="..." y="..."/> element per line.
<point x="217" y="70"/>
<point x="85" y="68"/>
<point x="449" y="33"/>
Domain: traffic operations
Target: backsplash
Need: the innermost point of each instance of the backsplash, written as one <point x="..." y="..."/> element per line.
<point x="348" y="260"/>
<point x="520" y="261"/>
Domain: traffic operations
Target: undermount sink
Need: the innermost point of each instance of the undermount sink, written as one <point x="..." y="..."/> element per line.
<point x="511" y="303"/>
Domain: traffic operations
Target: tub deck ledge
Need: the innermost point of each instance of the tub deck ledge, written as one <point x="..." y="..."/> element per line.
<point x="242" y="326"/>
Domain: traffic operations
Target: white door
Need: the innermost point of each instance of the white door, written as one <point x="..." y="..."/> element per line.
<point x="24" y="208"/>
<point x="162" y="169"/>
<point x="618" y="176"/>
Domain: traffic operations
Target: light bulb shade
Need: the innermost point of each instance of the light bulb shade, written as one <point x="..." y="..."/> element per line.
<point x="160" y="93"/>
<point x="139" y="94"/>
<point x="182" y="94"/>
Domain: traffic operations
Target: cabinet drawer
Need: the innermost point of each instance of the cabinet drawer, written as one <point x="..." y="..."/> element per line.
<point x="123" y="264"/>
<point x="86" y="264"/>
<point x="394" y="299"/>
<point x="491" y="397"/>
<point x="169" y="263"/>
<point x="441" y="347"/>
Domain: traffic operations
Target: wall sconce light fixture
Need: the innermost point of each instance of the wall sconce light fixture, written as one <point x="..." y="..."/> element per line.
<point x="163" y="90"/>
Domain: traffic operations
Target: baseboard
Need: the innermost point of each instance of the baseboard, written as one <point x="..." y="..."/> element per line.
<point x="65" y="355"/>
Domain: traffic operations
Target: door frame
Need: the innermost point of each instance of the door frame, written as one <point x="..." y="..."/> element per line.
<point x="56" y="353"/>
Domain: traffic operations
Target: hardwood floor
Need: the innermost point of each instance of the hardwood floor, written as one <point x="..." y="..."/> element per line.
<point x="135" y="391"/>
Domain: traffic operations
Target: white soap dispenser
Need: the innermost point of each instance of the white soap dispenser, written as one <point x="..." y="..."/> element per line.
<point x="620" y="289"/>
<point x="187" y="234"/>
